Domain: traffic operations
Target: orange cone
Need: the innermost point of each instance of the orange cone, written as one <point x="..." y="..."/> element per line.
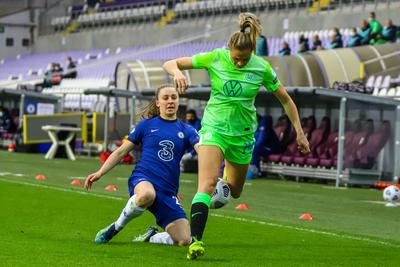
<point x="242" y="206"/>
<point x="111" y="187"/>
<point x="306" y="217"/>
<point x="11" y="147"/>
<point x="40" y="177"/>
<point x="75" y="182"/>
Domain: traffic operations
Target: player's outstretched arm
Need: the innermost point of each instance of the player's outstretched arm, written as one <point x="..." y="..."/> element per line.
<point x="110" y="163"/>
<point x="174" y="67"/>
<point x="291" y="110"/>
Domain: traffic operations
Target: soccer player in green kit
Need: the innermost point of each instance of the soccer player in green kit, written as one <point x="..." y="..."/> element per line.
<point x="229" y="120"/>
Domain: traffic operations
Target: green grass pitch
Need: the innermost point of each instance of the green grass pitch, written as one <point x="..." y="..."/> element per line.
<point x="53" y="223"/>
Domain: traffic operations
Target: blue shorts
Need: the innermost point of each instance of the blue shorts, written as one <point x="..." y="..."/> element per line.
<point x="166" y="207"/>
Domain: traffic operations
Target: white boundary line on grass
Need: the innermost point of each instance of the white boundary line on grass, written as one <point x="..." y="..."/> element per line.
<point x="374" y="202"/>
<point x="76" y="177"/>
<point x="62" y="189"/>
<point x="217" y="215"/>
<point x="306" y="230"/>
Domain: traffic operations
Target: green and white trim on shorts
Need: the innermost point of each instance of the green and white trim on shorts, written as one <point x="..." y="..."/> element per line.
<point x="236" y="149"/>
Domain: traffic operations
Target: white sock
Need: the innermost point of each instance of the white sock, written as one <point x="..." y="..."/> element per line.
<point x="130" y="211"/>
<point x="162" y="238"/>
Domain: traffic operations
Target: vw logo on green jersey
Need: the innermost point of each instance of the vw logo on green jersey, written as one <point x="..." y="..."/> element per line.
<point x="233" y="88"/>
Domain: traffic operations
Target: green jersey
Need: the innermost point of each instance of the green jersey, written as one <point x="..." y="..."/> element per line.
<point x="230" y="109"/>
<point x="375" y="26"/>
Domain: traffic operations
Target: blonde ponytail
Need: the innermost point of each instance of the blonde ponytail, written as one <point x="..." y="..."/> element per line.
<point x="249" y="30"/>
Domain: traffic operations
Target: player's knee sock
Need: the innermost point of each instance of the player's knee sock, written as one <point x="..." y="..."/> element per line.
<point x="162" y="238"/>
<point x="199" y="214"/>
<point x="130" y="211"/>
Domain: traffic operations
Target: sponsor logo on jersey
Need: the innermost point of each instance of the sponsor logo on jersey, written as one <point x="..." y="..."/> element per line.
<point x="232" y="88"/>
<point x="166" y="153"/>
<point x="207" y="135"/>
<point x="249" y="77"/>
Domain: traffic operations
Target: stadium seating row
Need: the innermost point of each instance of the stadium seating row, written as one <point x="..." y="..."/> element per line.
<point x="388" y="92"/>
<point x="131" y="12"/>
<point x="60" y="21"/>
<point x="380" y="86"/>
<point x="318" y="68"/>
<point x="73" y="98"/>
<point x="221" y="6"/>
<point x="292" y="38"/>
<point x="105" y="6"/>
<point x="102" y="18"/>
<point x="361" y="149"/>
<point x="151" y="12"/>
<point x="384" y="86"/>
<point x="35" y="65"/>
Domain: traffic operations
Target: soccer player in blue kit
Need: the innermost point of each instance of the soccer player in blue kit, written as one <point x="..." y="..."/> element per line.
<point x="153" y="184"/>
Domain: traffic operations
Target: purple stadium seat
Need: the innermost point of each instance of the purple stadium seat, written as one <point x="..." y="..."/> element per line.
<point x="327" y="152"/>
<point x="329" y="157"/>
<point x="359" y="140"/>
<point x="292" y="151"/>
<point x="279" y="130"/>
<point x="274" y="158"/>
<point x="285" y="135"/>
<point x="94" y="66"/>
<point x="366" y="155"/>
<point x="319" y="137"/>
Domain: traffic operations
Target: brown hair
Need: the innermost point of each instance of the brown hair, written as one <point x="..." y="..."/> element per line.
<point x="151" y="110"/>
<point x="246" y="37"/>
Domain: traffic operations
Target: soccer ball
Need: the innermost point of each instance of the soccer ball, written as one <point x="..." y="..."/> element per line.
<point x="391" y="194"/>
<point x="221" y="195"/>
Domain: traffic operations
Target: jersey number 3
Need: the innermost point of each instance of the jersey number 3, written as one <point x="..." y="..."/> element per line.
<point x="166" y="153"/>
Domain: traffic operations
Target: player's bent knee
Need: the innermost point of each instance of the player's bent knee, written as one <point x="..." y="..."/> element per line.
<point x="145" y="199"/>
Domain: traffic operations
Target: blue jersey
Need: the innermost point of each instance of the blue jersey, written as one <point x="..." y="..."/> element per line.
<point x="163" y="145"/>
<point x="195" y="124"/>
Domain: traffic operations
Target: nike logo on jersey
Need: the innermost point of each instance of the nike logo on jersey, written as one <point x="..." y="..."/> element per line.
<point x="154" y="130"/>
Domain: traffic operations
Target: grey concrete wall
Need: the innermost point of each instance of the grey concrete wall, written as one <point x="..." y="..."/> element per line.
<point x="15" y="27"/>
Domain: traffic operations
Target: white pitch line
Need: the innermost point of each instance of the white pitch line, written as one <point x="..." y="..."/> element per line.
<point x="306" y="230"/>
<point x="62" y="189"/>
<point x="217" y="215"/>
<point x="186" y="181"/>
<point x="374" y="202"/>
<point x="14" y="174"/>
<point x="76" y="178"/>
<point x="334" y="187"/>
